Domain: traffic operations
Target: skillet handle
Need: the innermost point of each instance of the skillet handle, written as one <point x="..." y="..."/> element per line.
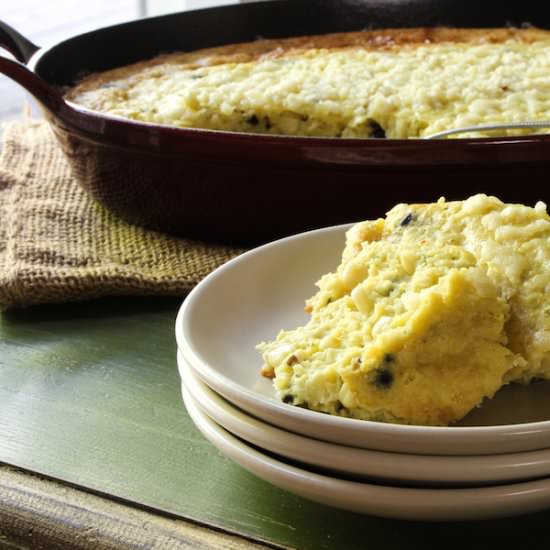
<point x="21" y="48"/>
<point x="35" y="85"/>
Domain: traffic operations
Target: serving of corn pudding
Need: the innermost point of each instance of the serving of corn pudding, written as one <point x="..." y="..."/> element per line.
<point x="393" y="83"/>
<point x="431" y="310"/>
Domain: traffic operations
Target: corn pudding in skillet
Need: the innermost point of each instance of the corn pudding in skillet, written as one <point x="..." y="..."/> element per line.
<point x="431" y="310"/>
<point x="394" y="83"/>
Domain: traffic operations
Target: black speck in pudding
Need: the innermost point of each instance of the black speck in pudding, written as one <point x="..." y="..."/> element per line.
<point x="377" y="131"/>
<point x="407" y="219"/>
<point x="289" y="399"/>
<point x="253" y="120"/>
<point x="382" y="378"/>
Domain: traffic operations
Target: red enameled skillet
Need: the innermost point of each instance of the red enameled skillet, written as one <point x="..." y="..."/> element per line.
<point x="249" y="188"/>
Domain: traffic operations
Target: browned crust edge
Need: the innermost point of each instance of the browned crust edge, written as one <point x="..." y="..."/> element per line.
<point x="382" y="39"/>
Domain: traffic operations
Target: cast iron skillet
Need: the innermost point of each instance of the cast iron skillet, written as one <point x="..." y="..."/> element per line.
<point x="245" y="188"/>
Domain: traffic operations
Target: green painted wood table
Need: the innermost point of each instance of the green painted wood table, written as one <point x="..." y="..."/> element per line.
<point x="97" y="451"/>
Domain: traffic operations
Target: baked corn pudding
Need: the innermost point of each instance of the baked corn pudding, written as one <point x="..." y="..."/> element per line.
<point x="431" y="311"/>
<point x="396" y="83"/>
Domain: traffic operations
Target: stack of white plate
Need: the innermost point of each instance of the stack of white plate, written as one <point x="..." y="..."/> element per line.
<point x="496" y="463"/>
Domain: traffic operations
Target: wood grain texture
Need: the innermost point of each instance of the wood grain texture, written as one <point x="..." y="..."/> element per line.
<point x="89" y="394"/>
<point x="38" y="513"/>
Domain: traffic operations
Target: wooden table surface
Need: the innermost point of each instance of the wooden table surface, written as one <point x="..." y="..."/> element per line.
<point x="97" y="451"/>
<point x="41" y="513"/>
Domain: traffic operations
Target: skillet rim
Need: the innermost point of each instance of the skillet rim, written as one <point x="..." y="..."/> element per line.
<point x="73" y="115"/>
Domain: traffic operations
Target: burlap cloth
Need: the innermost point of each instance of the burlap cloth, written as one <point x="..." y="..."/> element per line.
<point x="57" y="244"/>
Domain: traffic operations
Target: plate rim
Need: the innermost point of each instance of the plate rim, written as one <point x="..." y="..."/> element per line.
<point x="419" y="504"/>
<point x="388" y="466"/>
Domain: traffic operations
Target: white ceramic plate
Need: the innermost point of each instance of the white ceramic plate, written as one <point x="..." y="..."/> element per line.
<point x="377" y="466"/>
<point x="392" y="502"/>
<point x="252" y="297"/>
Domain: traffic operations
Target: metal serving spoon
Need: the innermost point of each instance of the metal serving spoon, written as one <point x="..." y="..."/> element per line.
<point x="489" y="127"/>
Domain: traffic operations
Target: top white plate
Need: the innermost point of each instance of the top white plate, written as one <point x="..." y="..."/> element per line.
<point x="249" y="299"/>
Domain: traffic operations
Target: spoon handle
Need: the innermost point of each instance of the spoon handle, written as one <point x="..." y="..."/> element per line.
<point x="490" y="127"/>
